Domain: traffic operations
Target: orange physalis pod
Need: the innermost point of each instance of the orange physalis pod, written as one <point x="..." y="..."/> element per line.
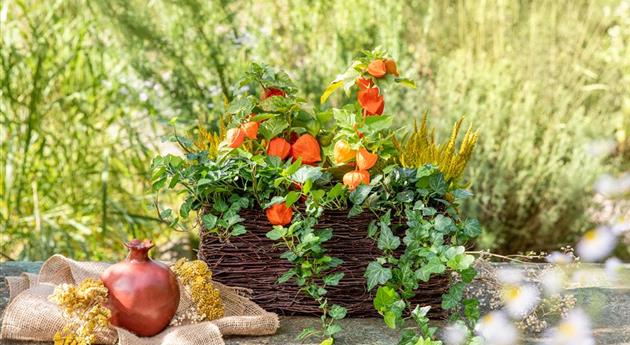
<point x="390" y="67"/>
<point x="279" y="214"/>
<point x="342" y="152"/>
<point x="279" y="147"/>
<point x="307" y="148"/>
<point x="272" y="91"/>
<point x="365" y="159"/>
<point x="250" y="129"/>
<point x="234" y="137"/>
<point x="377" y="68"/>
<point x="371" y="102"/>
<point x="353" y="179"/>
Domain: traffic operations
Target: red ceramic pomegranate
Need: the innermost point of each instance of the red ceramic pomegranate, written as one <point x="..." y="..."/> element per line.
<point x="143" y="294"/>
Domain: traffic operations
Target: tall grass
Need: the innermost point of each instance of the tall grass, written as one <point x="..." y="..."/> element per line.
<point x="74" y="160"/>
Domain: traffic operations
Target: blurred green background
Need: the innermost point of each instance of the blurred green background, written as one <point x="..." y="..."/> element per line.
<point x="89" y="88"/>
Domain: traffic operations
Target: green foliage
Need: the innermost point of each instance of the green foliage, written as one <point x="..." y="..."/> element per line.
<point x="74" y="145"/>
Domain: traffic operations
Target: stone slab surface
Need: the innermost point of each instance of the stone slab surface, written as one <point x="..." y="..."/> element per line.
<point x="608" y="304"/>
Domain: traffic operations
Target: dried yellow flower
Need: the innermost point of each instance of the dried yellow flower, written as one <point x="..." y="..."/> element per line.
<point x="84" y="306"/>
<point x="197" y="280"/>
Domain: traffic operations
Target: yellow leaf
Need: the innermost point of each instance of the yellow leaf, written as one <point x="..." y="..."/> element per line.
<point x="327" y="341"/>
<point x="330" y="89"/>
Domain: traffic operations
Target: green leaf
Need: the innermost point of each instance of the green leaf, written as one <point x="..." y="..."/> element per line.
<point x="472" y="228"/>
<point x="444" y="224"/>
<point x="385" y="298"/>
<point x="377" y="123"/>
<point x="332" y="329"/>
<point x="286" y="276"/>
<point x="333" y="279"/>
<point x="330" y="89"/>
<point x="377" y="274"/>
<point x="238" y="230"/>
<point x="387" y="240"/>
<point x="337" y="312"/>
<point x="460" y="262"/>
<point x="291" y="198"/>
<point x="242" y="106"/>
<point x="406" y="82"/>
<point x="272" y="127"/>
<point x="263" y="117"/>
<point x="434" y="266"/>
<point x="209" y="221"/>
<point x="468" y="274"/>
<point x="454" y="295"/>
<point x="358" y="195"/>
<point x="471" y="309"/>
<point x="276" y="233"/>
<point x="307" y="332"/>
<point x="305" y="173"/>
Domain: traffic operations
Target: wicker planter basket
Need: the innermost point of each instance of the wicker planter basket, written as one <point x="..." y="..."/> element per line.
<point x="253" y="261"/>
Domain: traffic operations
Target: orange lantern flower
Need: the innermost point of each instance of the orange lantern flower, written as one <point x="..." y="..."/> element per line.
<point x="234" y="137"/>
<point x="270" y="92"/>
<point x="371" y="102"/>
<point x="279" y="214"/>
<point x="390" y="67"/>
<point x="377" y="68"/>
<point x="279" y="147"/>
<point x="342" y="152"/>
<point x="307" y="148"/>
<point x="365" y="159"/>
<point x="364" y="83"/>
<point x="250" y="129"/>
<point x="353" y="179"/>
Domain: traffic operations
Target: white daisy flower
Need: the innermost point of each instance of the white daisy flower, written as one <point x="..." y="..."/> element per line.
<point x="609" y="185"/>
<point x="496" y="329"/>
<point x="552" y="281"/>
<point x="596" y="244"/>
<point x="520" y="299"/>
<point x="621" y="225"/>
<point x="510" y="275"/>
<point x="575" y="329"/>
<point x="559" y="258"/>
<point x="455" y="334"/>
<point x="612" y="267"/>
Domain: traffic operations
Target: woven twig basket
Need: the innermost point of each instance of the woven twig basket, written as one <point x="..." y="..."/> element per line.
<point x="253" y="261"/>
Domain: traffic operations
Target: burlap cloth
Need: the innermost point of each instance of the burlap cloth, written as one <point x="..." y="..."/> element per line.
<point x="31" y="316"/>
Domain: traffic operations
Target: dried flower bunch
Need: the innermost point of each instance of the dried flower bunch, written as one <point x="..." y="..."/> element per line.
<point x="84" y="306"/>
<point x="197" y="281"/>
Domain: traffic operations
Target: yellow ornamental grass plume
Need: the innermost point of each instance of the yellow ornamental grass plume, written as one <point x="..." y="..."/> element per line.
<point x="208" y="141"/>
<point x="421" y="148"/>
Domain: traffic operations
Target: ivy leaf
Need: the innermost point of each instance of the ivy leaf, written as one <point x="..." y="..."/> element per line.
<point x="468" y="274"/>
<point x="209" y="221"/>
<point x="437" y="184"/>
<point x="387" y="240"/>
<point x="460" y="262"/>
<point x="471" y="309"/>
<point x="357" y="197"/>
<point x="305" y="173"/>
<point x="286" y="276"/>
<point x="433" y="266"/>
<point x="276" y="233"/>
<point x="472" y="228"/>
<point x="454" y="295"/>
<point x="332" y="329"/>
<point x="238" y="230"/>
<point x="376" y="274"/>
<point x="461" y="194"/>
<point x="443" y="224"/>
<point x="337" y="312"/>
<point x="333" y="279"/>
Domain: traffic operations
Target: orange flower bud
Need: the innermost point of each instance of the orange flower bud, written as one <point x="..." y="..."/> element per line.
<point x="279" y="214"/>
<point x="234" y="137"/>
<point x="270" y="92"/>
<point x="353" y="179"/>
<point x="390" y="66"/>
<point x="364" y="83"/>
<point x="365" y="159"/>
<point x="307" y="148"/>
<point x="342" y="152"/>
<point x="377" y="68"/>
<point x="371" y="101"/>
<point x="250" y="129"/>
<point x="279" y="147"/>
